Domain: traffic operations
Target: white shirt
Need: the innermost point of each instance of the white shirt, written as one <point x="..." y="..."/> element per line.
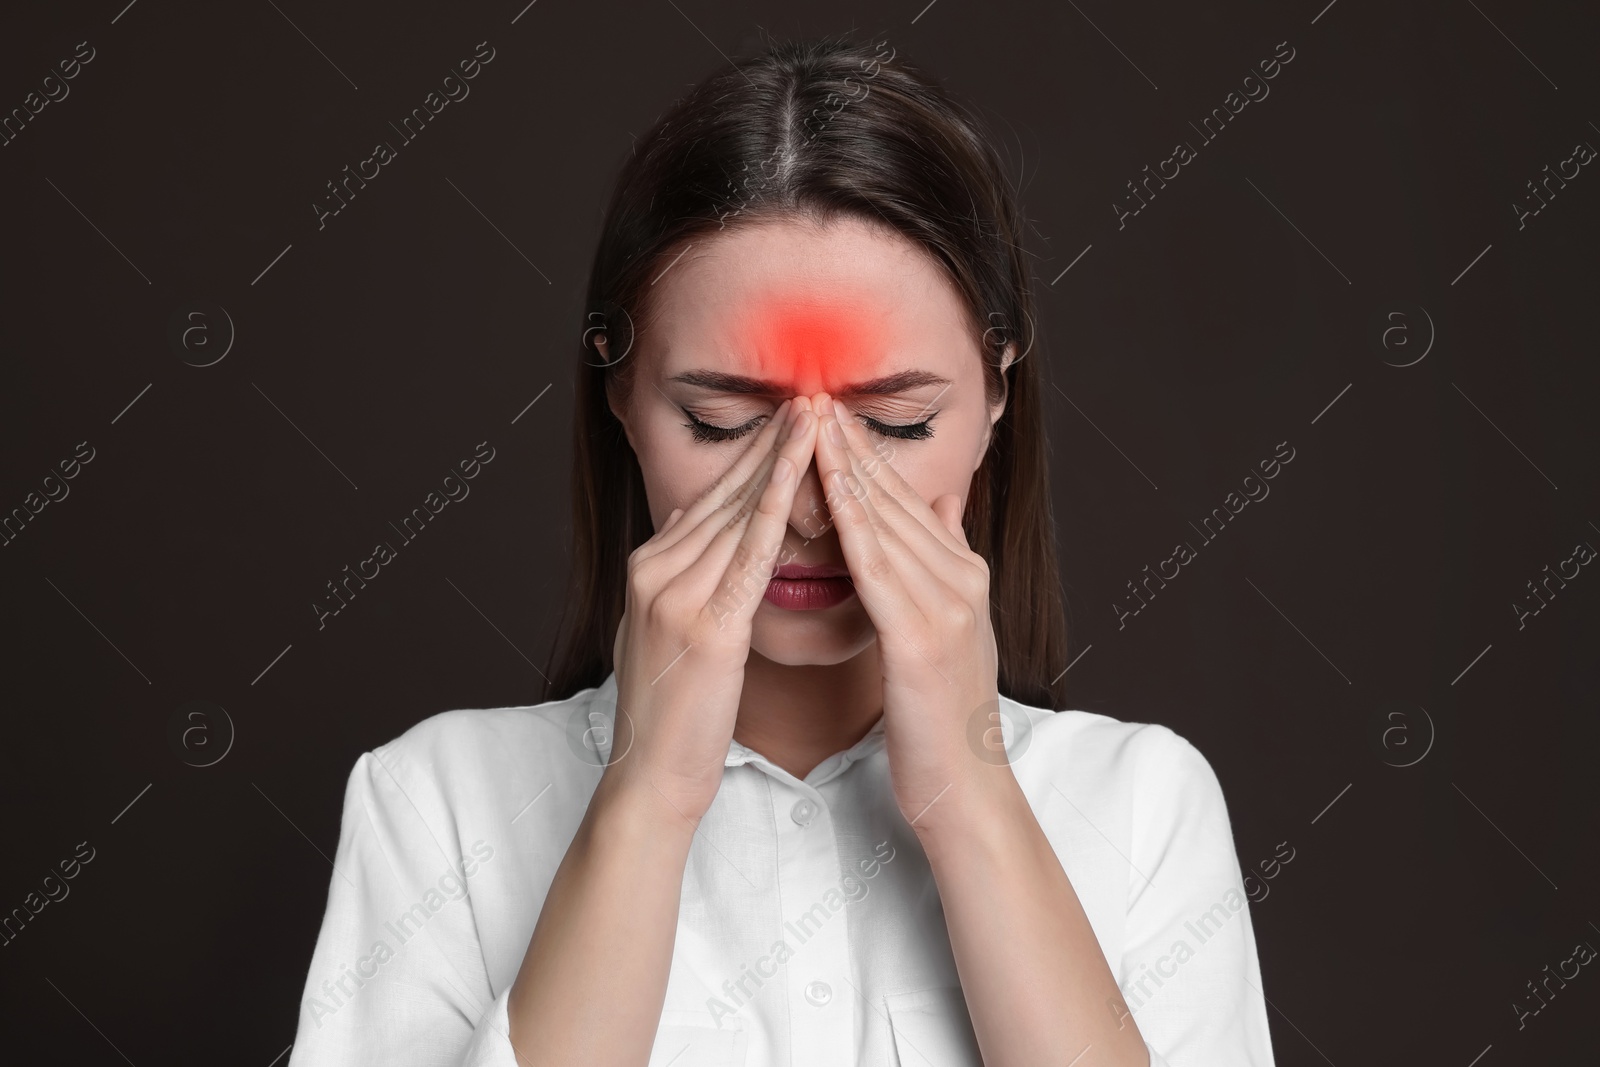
<point x="810" y="932"/>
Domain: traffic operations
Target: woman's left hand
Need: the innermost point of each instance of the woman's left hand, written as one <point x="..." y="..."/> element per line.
<point x="927" y="594"/>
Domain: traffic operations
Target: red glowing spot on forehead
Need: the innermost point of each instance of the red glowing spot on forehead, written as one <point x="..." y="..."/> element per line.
<point x="810" y="343"/>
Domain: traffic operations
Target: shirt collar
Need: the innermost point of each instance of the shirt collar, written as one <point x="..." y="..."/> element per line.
<point x="605" y="701"/>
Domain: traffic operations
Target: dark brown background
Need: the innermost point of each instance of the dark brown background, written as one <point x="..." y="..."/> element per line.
<point x="1252" y="292"/>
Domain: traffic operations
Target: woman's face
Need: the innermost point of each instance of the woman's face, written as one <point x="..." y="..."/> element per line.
<point x="768" y="311"/>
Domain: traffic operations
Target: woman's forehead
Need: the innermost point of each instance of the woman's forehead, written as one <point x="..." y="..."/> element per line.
<point x="815" y="308"/>
<point x="803" y="345"/>
<point x="787" y="338"/>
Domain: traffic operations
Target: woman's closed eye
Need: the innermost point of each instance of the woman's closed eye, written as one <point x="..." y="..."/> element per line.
<point x="709" y="433"/>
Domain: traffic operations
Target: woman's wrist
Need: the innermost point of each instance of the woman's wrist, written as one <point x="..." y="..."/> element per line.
<point x="628" y="803"/>
<point x="973" y="811"/>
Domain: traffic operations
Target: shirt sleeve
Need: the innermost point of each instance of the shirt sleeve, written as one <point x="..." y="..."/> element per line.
<point x="1189" y="972"/>
<point x="397" y="976"/>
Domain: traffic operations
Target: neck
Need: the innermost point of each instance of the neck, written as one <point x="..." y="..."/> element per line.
<point x="799" y="716"/>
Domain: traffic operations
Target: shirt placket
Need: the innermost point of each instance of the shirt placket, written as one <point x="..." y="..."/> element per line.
<point x="821" y="998"/>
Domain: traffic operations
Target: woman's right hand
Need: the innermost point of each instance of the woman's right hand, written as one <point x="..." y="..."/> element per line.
<point x="692" y="591"/>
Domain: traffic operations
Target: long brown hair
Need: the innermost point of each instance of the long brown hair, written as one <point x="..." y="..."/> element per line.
<point x="818" y="130"/>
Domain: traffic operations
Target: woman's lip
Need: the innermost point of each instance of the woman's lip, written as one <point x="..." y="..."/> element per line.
<point x="808" y="594"/>
<point x="801" y="571"/>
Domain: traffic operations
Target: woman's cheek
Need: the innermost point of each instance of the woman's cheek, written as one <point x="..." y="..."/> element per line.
<point x="931" y="475"/>
<point x="677" y="474"/>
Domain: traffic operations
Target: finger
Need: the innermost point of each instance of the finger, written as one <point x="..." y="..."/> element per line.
<point x="749" y="555"/>
<point x="730" y="574"/>
<point x="701" y="558"/>
<point x="925" y="562"/>
<point x="891" y="597"/>
<point x="948" y="508"/>
<point x="866" y="541"/>
<point x="887" y="481"/>
<point x="732" y="514"/>
<point x="728" y="492"/>
<point x="742" y="473"/>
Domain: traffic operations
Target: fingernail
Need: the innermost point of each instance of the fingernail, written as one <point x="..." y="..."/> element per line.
<point x="841" y="412"/>
<point x="835" y="434"/>
<point x="782" y="469"/>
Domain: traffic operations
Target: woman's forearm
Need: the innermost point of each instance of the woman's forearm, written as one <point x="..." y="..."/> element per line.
<point x="1036" y="983"/>
<point x="594" y="978"/>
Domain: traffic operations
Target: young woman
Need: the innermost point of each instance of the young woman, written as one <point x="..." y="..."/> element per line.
<point x="794" y="795"/>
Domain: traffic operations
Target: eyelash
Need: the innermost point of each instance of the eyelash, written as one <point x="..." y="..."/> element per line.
<point x="707" y="433"/>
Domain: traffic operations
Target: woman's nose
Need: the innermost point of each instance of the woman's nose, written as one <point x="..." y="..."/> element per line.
<point x="809" y="515"/>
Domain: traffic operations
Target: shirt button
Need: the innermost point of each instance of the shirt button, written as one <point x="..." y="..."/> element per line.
<point x="818" y="994"/>
<point x="803" y="812"/>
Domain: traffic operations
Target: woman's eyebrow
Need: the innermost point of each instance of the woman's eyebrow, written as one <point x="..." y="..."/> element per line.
<point x="720" y="382"/>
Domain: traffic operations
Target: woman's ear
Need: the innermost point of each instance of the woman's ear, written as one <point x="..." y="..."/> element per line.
<point x="997" y="408"/>
<point x="617" y="410"/>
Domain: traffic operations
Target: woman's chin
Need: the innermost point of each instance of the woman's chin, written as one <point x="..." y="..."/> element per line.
<point x="811" y="638"/>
